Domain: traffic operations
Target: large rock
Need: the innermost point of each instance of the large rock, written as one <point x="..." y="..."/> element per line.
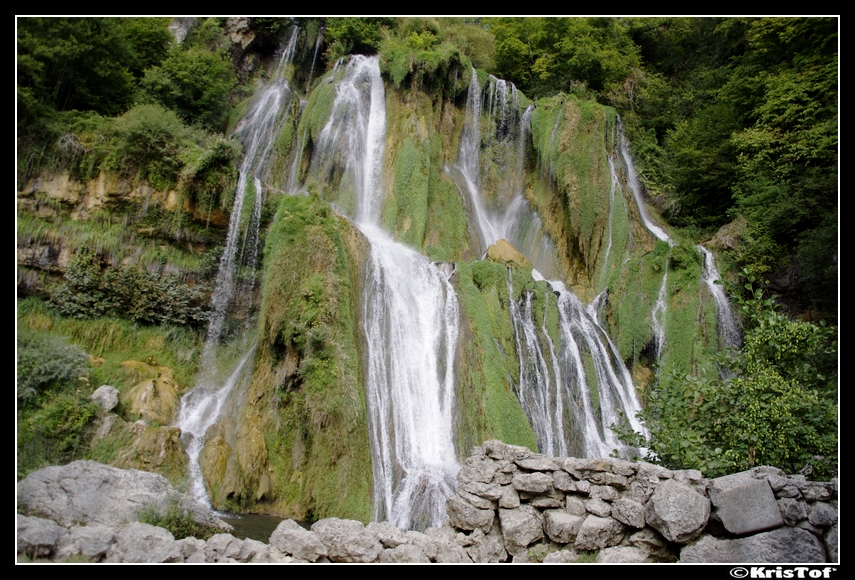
<point x="745" y="504"/>
<point x="347" y="540"/>
<point x="520" y="527"/>
<point x="677" y="511"/>
<point x="562" y="527"/>
<point x="37" y="537"/>
<point x="597" y="533"/>
<point x="90" y="542"/>
<point x="792" y="545"/>
<point x="464" y="516"/>
<point x="629" y="512"/>
<point x="157" y="397"/>
<point x="291" y="538"/>
<point x="107" y="396"/>
<point x="138" y="542"/>
<point x="504" y="253"/>
<point x="88" y="492"/>
<point x="622" y="555"/>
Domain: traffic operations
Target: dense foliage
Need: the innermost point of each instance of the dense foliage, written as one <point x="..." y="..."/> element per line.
<point x="53" y="414"/>
<point x="126" y="292"/>
<point x="779" y="409"/>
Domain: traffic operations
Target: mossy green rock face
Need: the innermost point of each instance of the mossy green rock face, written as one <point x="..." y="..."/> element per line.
<point x="502" y="252"/>
<point x="156" y="398"/>
<point x="299" y="446"/>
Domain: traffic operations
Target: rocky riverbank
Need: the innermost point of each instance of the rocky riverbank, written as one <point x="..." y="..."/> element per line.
<point x="512" y="505"/>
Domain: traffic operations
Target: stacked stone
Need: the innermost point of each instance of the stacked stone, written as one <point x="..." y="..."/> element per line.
<point x="635" y="511"/>
<point x="511" y="505"/>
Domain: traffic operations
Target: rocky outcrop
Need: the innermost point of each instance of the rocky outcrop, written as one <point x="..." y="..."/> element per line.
<point x="91" y="493"/>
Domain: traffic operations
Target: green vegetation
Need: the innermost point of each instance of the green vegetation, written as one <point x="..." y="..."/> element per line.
<point x="311" y="402"/>
<point x="53" y="413"/>
<point x="180" y="523"/>
<point x="126" y="292"/>
<point x="489" y="407"/>
<point x="780" y="409"/>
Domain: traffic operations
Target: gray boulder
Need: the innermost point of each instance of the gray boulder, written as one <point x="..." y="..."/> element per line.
<point x="792" y="545"/>
<point x="91" y="542"/>
<point x="291" y="538"/>
<point x="561" y="527"/>
<point x="677" y="511"/>
<point x="561" y="557"/>
<point x="628" y="512"/>
<point x="347" y="540"/>
<point x="622" y="555"/>
<point x="520" y="527"/>
<point x="107" y="396"/>
<point x="138" y="542"/>
<point x="464" y="516"/>
<point x="93" y="493"/>
<point x="597" y="533"/>
<point x="37" y="537"/>
<point x="745" y="504"/>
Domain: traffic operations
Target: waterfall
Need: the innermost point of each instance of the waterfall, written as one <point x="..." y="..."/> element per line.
<point x="539" y="385"/>
<point x="635" y="187"/>
<point x="318" y="41"/>
<point x="202" y="405"/>
<point x="726" y="323"/>
<point x="410" y="322"/>
<point x="200" y="408"/>
<point x="657" y="314"/>
<point x="511" y="216"/>
<point x="572" y="391"/>
<point x="257" y="131"/>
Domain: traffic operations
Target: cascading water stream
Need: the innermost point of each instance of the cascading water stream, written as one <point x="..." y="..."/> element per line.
<point x="200" y="409"/>
<point x="727" y="326"/>
<point x="410" y="321"/>
<point x="257" y="130"/>
<point x="511" y="217"/>
<point x="202" y="405"/>
<point x="635" y="187"/>
<point x="658" y="312"/>
<point x="554" y="387"/>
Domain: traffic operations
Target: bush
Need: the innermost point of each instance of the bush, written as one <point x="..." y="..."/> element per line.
<point x="179" y="523"/>
<point x="46" y="363"/>
<point x="195" y="83"/>
<point x="780" y="409"/>
<point x="56" y="433"/>
<point x="126" y="292"/>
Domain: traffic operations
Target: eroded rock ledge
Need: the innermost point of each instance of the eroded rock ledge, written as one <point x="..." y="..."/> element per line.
<point x="512" y="505"/>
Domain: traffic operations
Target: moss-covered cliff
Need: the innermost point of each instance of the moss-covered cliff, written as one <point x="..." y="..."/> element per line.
<point x="294" y="438"/>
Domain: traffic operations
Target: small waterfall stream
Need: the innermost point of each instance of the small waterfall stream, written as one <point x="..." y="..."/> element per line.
<point x="202" y="405"/>
<point x="727" y="326"/>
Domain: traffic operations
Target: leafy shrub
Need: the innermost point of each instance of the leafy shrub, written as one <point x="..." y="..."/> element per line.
<point x="179" y="522"/>
<point x="54" y="434"/>
<point x="45" y="363"/>
<point x="126" y="292"/>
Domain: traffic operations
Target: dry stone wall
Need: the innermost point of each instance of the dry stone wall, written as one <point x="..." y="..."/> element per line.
<point x="512" y="505"/>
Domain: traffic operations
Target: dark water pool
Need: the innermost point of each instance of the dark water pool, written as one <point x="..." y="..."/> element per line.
<point x="254" y="526"/>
